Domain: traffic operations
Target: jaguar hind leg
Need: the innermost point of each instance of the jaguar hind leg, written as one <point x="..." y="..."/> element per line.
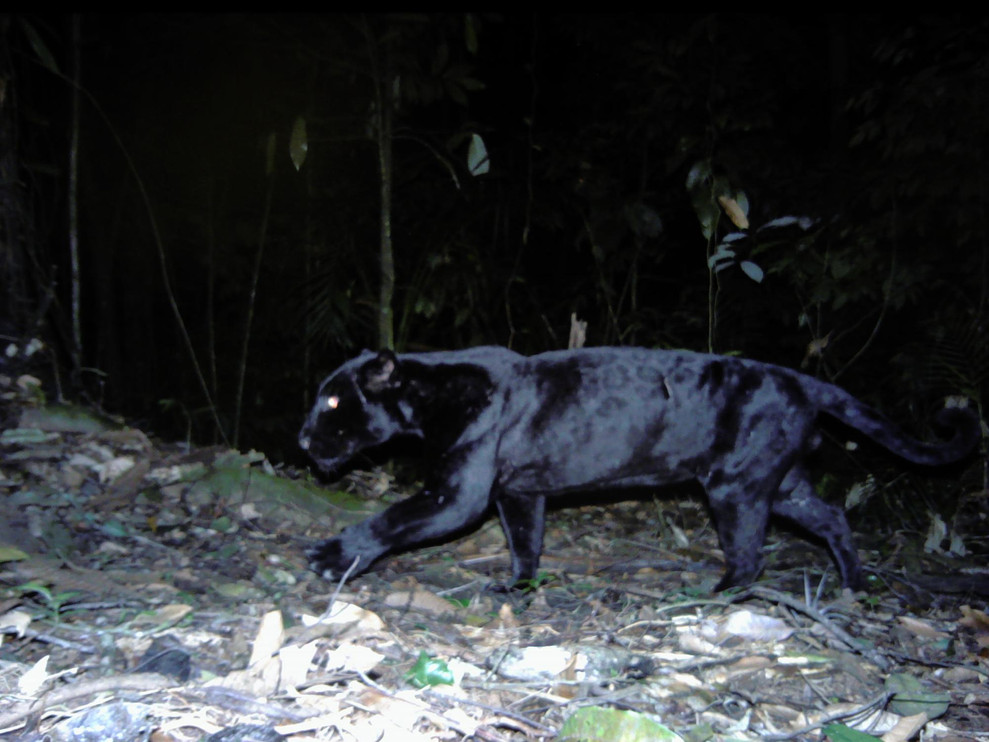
<point x="741" y="532"/>
<point x="796" y="501"/>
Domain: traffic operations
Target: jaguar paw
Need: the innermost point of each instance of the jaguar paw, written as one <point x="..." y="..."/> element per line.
<point x="328" y="560"/>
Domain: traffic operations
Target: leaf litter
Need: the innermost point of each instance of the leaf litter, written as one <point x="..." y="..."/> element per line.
<point x="150" y="591"/>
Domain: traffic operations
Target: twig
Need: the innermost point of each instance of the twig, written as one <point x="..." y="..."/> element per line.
<point x="877" y="702"/>
<point x="339" y="587"/>
<point x="903" y="657"/>
<point x="859" y="646"/>
<point x="58" y="641"/>
<point x="137" y="682"/>
<point x="436" y="717"/>
<point x="704" y="664"/>
<point x="493" y="709"/>
<point x="241" y="703"/>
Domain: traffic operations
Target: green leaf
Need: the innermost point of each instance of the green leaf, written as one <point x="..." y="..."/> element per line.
<point x="599" y="724"/>
<point x="471" y="83"/>
<point x="708" y="212"/>
<point x="455" y="91"/>
<point x="841" y="733"/>
<point x="477" y="156"/>
<point x="470" y="32"/>
<point x="743" y="202"/>
<point x="22" y="436"/>
<point x="428" y="671"/>
<point x="722" y="254"/>
<point x="39" y="47"/>
<point x="751" y="270"/>
<point x="63" y="418"/>
<point x="223" y="524"/>
<point x="298" y="143"/>
<point x="115" y="529"/>
<point x="699" y="173"/>
<point x="10" y="554"/>
<point x="910" y="697"/>
<point x="840" y="267"/>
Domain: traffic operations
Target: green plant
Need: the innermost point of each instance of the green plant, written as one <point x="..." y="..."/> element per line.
<point x="54" y="602"/>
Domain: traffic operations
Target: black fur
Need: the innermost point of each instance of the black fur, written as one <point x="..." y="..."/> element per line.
<point x="509" y="431"/>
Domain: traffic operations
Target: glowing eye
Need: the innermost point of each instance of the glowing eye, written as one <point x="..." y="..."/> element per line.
<point x="332" y="402"/>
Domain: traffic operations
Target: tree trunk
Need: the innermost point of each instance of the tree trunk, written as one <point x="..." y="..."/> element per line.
<point x="386" y="330"/>
<point x="73" y="198"/>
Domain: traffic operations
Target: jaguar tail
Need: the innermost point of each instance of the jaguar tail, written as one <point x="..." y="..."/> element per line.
<point x="963" y="423"/>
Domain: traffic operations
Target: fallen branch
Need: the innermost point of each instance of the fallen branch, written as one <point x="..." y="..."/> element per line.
<point x="138" y="682"/>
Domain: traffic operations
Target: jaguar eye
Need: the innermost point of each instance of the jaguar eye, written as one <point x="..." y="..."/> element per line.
<point x="332" y="402"/>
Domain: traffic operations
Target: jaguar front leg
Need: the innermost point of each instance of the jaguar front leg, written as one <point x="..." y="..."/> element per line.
<point x="446" y="506"/>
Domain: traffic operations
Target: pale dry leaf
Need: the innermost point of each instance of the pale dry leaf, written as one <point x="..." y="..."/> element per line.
<point x="321" y="699"/>
<point x="195" y="719"/>
<point x="164" y="616"/>
<point x="875" y="721"/>
<point x="973" y="618"/>
<point x="27" y="383"/>
<point x="259" y="681"/>
<point x="531" y="663"/>
<point x="460" y="670"/>
<point x="352" y="657"/>
<point x="734" y="212"/>
<point x="421" y="600"/>
<point x="345" y="620"/>
<point x="129" y="439"/>
<point x="747" y="625"/>
<point x="32" y="681"/>
<point x="507" y="618"/>
<point x="15" y="622"/>
<point x="269" y="638"/>
<point x="114" y="468"/>
<point x="906" y="728"/>
<point x="402" y="708"/>
<point x="690" y="639"/>
<point x="921" y="628"/>
<point x="323" y="723"/>
<point x="83" y="461"/>
<point x="249" y="511"/>
<point x="296" y="661"/>
<point x="746" y="665"/>
<point x="977" y="621"/>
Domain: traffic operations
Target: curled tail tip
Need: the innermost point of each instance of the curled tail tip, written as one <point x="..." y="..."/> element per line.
<point x="960" y="416"/>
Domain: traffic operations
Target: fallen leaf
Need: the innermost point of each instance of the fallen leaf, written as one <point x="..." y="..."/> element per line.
<point x="269" y="638"/>
<point x="352" y="657"/>
<point x="15" y="622"/>
<point x="973" y="618"/>
<point x="296" y="661"/>
<point x="30" y="682"/>
<point x="921" y="628"/>
<point x="421" y="600"/>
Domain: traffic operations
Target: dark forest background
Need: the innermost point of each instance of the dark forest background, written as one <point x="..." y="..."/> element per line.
<point x="809" y="191"/>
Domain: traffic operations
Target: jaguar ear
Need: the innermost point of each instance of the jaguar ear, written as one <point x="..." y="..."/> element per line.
<point x="382" y="372"/>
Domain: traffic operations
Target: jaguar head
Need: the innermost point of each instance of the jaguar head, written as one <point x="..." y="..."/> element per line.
<point x="358" y="406"/>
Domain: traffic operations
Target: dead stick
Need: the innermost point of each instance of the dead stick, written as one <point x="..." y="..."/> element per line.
<point x="137" y="682"/>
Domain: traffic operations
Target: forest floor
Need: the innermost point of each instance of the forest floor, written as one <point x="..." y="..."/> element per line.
<point x="150" y="591"/>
